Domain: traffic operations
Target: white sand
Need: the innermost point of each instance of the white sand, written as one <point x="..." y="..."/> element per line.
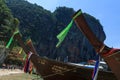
<point x="4" y="72"/>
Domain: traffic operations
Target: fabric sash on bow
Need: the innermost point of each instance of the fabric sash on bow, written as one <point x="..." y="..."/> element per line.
<point x="96" y="69"/>
<point x="27" y="63"/>
<point x="11" y="39"/>
<point x="61" y="36"/>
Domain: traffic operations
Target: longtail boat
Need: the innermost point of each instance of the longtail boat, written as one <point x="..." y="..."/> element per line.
<point x="110" y="55"/>
<point x="55" y="70"/>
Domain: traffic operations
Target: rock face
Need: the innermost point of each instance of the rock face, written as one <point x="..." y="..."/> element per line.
<point x="43" y="26"/>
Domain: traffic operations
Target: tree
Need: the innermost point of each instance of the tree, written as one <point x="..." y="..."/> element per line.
<point x="8" y="23"/>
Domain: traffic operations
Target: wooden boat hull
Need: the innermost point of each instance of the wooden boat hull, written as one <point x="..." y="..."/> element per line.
<point x="54" y="70"/>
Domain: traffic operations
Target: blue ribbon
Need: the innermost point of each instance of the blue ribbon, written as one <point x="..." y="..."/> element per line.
<point x="96" y="69"/>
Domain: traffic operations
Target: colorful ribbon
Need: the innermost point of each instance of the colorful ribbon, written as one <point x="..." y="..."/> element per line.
<point x="113" y="50"/>
<point x="27" y="64"/>
<point x="20" y="51"/>
<point x="96" y="69"/>
<point x="11" y="39"/>
<point x="24" y="56"/>
<point x="61" y="36"/>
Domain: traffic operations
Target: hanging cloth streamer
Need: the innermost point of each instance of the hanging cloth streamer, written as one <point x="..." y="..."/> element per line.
<point x="11" y="39"/>
<point x="20" y="51"/>
<point x="24" y="56"/>
<point x="96" y="69"/>
<point x="27" y="64"/>
<point x="61" y="36"/>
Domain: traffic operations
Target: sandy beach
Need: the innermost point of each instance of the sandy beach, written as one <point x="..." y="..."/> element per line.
<point x="16" y="74"/>
<point x="4" y="72"/>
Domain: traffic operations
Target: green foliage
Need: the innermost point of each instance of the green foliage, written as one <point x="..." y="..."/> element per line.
<point x="13" y="61"/>
<point x="7" y="22"/>
<point x="16" y="22"/>
<point x="8" y="25"/>
<point x="14" y="57"/>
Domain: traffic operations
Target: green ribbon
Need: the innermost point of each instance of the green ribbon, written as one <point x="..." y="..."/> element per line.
<point x="77" y="14"/>
<point x="24" y="57"/>
<point x="11" y="39"/>
<point x="61" y="36"/>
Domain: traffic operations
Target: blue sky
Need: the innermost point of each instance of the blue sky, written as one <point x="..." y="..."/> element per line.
<point x="107" y="11"/>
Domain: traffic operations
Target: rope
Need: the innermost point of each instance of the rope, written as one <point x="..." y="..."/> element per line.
<point x="113" y="50"/>
<point x="101" y="49"/>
